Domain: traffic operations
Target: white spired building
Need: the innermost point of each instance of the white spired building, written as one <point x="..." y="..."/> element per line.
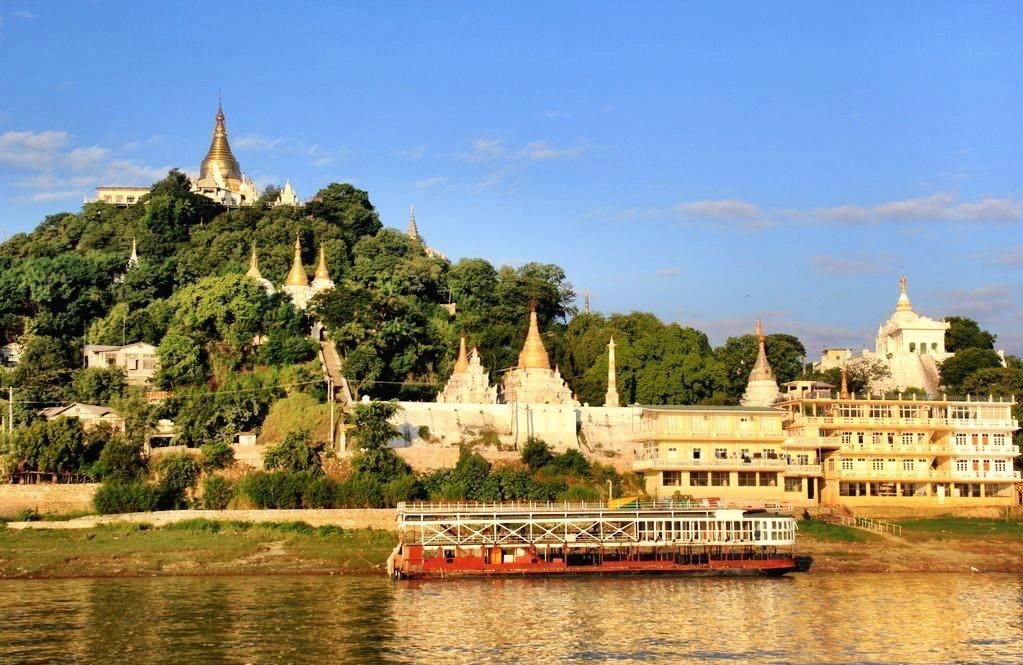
<point x="911" y="346"/>
<point x="762" y="389"/>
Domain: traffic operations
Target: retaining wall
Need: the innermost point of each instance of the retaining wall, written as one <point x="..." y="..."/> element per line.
<point x="46" y="498"/>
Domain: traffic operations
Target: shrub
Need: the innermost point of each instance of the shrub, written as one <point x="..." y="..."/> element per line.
<point x="424" y="432"/>
<point x="320" y="492"/>
<point x="581" y="493"/>
<point x="381" y="463"/>
<point x="295" y="454"/>
<point x="275" y="490"/>
<point x="402" y="488"/>
<point x="119" y="497"/>
<point x="121" y="460"/>
<point x="216" y="455"/>
<point x="536" y="454"/>
<point x="217" y="493"/>
<point x="571" y="461"/>
<point x="360" y="491"/>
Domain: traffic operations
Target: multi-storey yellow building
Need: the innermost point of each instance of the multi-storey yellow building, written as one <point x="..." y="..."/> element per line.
<point x="725" y="452"/>
<point x="906" y="452"/>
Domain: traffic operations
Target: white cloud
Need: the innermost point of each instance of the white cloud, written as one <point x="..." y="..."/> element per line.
<point x="850" y="265"/>
<point x="1011" y="257"/>
<point x="554" y="114"/>
<point x="722" y="210"/>
<point x="81" y="159"/>
<point x="412" y="153"/>
<point x="484" y="149"/>
<point x="256" y="142"/>
<point x="543" y="150"/>
<point x="434" y="181"/>
<point x="667" y="272"/>
<point x="938" y="207"/>
<point x="32" y="150"/>
<point x="57" y="196"/>
<point x="22" y="13"/>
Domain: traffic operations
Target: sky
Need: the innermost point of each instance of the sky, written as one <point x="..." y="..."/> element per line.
<point x="712" y="164"/>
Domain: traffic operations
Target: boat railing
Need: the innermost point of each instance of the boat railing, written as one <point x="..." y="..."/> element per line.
<point x="590" y="506"/>
<point x="875" y="526"/>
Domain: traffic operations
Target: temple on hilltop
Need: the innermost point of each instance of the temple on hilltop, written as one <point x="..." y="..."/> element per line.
<point x="762" y="389"/>
<point x="296" y="284"/>
<point x="470" y="381"/>
<point x="412" y="231"/>
<point x="910" y="346"/>
<point x="533" y="381"/>
<point x="220" y="178"/>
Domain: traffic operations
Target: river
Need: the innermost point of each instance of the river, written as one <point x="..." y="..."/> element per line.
<point x="814" y="618"/>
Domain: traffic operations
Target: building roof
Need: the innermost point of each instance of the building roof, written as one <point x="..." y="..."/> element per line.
<point x="220" y="158"/>
<point x="93" y="409"/>
<point x="533" y="354"/>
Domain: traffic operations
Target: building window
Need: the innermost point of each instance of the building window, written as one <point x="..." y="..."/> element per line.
<point x="768" y="479"/>
<point x="878" y="411"/>
<point x="671" y="478"/>
<point x="696" y="453"/>
<point x="720" y="453"/>
<point x="878" y="465"/>
<point x="877" y="438"/>
<point x="962" y="465"/>
<point x="671" y="424"/>
<point x="907" y="465"/>
<point x="802" y="459"/>
<point x="719" y="479"/>
<point x="852" y="489"/>
<point x="912" y="347"/>
<point x="747" y="479"/>
<point x="998" y="439"/>
<point x="721" y="424"/>
<point x="907" y="439"/>
<point x="793" y="484"/>
<point x="847" y="465"/>
<point x="846" y="438"/>
<point x="831" y="465"/>
<point x="1000" y="465"/>
<point x="698" y="478"/>
<point x="697" y="424"/>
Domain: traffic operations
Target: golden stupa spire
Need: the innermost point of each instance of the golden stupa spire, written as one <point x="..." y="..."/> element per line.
<point x="297" y="276"/>
<point x="462" y="364"/>
<point x="903" y="305"/>
<point x="253" y="270"/>
<point x="761" y="368"/>
<point x="321" y="269"/>
<point x="220" y="155"/>
<point x="533" y="355"/>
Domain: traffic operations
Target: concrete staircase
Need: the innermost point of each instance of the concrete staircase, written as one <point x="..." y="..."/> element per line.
<point x="330" y="361"/>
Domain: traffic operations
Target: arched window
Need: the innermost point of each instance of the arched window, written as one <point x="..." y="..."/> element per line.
<point x="912" y="347"/>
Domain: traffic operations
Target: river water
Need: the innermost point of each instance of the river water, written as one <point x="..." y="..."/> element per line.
<point x="813" y="618"/>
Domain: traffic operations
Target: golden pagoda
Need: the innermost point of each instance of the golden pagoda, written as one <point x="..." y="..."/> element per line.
<point x="253" y="270"/>
<point x="533" y="354"/>
<point x="297" y="275"/>
<point x="220" y="161"/>
<point x="462" y="363"/>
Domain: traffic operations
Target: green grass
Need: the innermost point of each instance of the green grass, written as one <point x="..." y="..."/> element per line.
<point x="953" y="528"/>
<point x="824" y="532"/>
<point x="192" y="547"/>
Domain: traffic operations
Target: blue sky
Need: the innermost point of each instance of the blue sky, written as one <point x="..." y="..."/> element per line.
<point x="710" y="164"/>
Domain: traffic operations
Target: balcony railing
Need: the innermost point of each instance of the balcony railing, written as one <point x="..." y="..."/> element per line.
<point x="752" y="464"/>
<point x="970" y="449"/>
<point x="932" y="474"/>
<point x="693" y="434"/>
<point x="814" y="442"/>
<point x="1006" y="424"/>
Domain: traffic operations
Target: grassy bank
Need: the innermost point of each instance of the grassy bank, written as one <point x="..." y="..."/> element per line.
<point x="205" y="547"/>
<point x="194" y="547"/>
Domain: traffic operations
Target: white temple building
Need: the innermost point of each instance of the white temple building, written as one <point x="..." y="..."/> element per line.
<point x="533" y="381"/>
<point x="469" y="382"/>
<point x="762" y="388"/>
<point x="911" y="346"/>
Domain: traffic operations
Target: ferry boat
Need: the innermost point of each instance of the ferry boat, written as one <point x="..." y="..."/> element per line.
<point x="439" y="540"/>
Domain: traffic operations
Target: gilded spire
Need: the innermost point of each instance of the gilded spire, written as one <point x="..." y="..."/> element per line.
<point x="321" y="269"/>
<point x="220" y="158"/>
<point x="253" y="270"/>
<point x="297" y="275"/>
<point x="412" y="231"/>
<point x="462" y="364"/>
<point x="761" y="368"/>
<point x="903" y="304"/>
<point x="533" y="355"/>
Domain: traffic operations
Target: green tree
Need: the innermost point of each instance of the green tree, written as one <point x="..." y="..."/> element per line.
<point x="51" y="446"/>
<point x="45" y="369"/>
<point x="97" y="385"/>
<point x="182" y="362"/>
<point x="964" y="333"/>
<point x="371" y="426"/>
<point x="965" y="362"/>
<point x="785" y="353"/>
<point x="295" y="454"/>
<point x="536" y="454"/>
<point x="121" y="461"/>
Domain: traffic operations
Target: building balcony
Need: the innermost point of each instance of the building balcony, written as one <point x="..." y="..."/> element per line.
<point x="688" y="435"/>
<point x="750" y="464"/>
<point x="814" y="442"/>
<point x="997" y="424"/>
<point x="937" y="449"/>
<point x="735" y="463"/>
<point x="840" y="422"/>
<point x="996" y="451"/>
<point x="1006" y="476"/>
<point x="939" y="475"/>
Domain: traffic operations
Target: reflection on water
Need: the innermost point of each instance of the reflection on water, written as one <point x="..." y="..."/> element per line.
<point x="813" y="618"/>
